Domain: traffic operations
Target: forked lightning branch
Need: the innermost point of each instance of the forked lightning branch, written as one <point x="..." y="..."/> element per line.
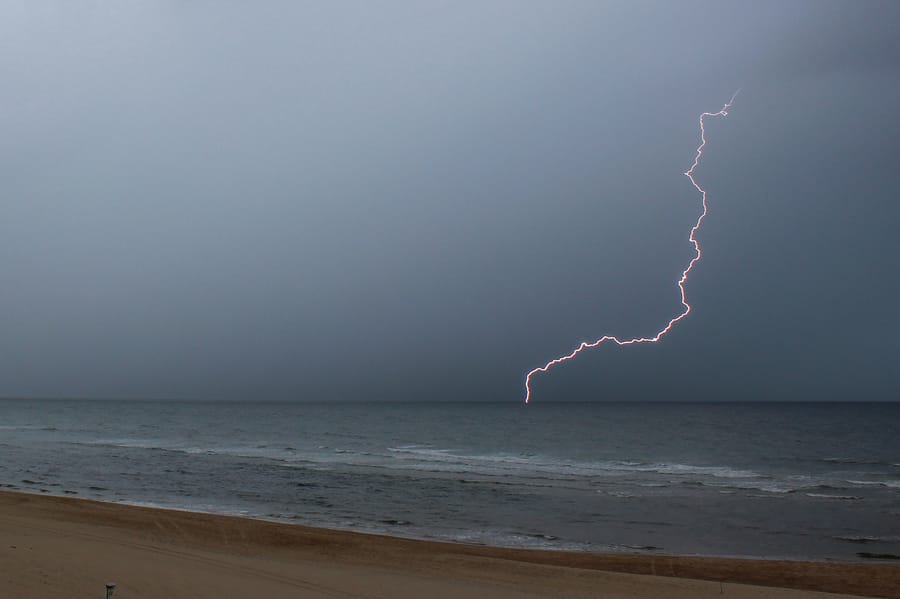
<point x="681" y="282"/>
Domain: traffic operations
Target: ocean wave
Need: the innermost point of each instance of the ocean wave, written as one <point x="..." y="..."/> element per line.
<point x="827" y="496"/>
<point x="783" y="486"/>
<point x="571" y="467"/>
<point x="445" y="460"/>
<point x="868" y="539"/>
<point x="27" y="427"/>
<point x="625" y="476"/>
<point x="521" y="540"/>
<point x="775" y="488"/>
<point x="619" y="494"/>
<point x="893" y="484"/>
<point x="256" y="452"/>
<point x="864" y="462"/>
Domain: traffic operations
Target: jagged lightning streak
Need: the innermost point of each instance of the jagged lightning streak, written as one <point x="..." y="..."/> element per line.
<point x="684" y="275"/>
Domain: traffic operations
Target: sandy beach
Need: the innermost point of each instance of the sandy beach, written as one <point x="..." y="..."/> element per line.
<point x="55" y="546"/>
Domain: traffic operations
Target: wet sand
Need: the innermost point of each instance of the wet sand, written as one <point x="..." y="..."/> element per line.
<point x="57" y="546"/>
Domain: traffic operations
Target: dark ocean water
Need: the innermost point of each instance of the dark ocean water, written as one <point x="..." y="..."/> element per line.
<point x="801" y="480"/>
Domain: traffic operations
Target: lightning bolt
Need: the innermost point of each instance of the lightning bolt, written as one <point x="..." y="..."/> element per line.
<point x="684" y="275"/>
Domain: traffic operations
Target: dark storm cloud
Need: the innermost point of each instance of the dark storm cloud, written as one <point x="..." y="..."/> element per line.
<point x="426" y="200"/>
<point x="838" y="37"/>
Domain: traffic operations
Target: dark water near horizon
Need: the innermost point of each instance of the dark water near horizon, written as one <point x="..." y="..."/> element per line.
<point x="800" y="480"/>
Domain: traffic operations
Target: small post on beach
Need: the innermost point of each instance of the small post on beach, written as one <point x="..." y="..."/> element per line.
<point x="110" y="589"/>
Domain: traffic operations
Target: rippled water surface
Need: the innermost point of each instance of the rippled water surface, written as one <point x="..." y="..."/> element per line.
<point x="785" y="480"/>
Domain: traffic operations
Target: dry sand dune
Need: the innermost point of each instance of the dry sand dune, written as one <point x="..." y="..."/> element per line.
<point x="62" y="547"/>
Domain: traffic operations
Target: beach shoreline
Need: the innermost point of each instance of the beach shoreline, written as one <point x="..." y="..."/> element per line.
<point x="604" y="478"/>
<point x="61" y="545"/>
<point x="400" y="533"/>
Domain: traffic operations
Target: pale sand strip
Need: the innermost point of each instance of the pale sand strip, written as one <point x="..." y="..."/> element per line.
<point x="61" y="547"/>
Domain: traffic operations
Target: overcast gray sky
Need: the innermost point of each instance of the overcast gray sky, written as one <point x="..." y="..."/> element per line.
<point x="425" y="200"/>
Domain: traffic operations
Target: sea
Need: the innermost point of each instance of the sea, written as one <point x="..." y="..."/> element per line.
<point x="818" y="481"/>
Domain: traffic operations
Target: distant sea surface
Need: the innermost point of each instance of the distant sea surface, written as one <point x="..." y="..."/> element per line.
<point x="794" y="480"/>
